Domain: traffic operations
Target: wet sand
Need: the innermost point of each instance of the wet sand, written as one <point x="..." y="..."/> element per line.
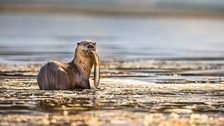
<point x="130" y="93"/>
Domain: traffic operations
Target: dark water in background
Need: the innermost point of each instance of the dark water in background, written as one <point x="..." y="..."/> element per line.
<point x="36" y="38"/>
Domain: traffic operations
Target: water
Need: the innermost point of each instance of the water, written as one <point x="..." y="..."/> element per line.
<point x="36" y="38"/>
<point x="154" y="70"/>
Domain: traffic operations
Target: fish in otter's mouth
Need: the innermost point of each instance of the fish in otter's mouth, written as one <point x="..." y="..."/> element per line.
<point x="96" y="69"/>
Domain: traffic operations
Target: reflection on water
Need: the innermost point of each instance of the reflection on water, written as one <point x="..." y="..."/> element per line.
<point x="133" y="100"/>
<point x="26" y="38"/>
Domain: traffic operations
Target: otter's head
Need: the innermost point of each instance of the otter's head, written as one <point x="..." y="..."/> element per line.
<point x="85" y="48"/>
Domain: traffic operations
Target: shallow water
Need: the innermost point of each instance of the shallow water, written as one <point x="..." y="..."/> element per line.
<point x="126" y="96"/>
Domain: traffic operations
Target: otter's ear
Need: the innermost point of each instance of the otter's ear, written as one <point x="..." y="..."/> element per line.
<point x="78" y="43"/>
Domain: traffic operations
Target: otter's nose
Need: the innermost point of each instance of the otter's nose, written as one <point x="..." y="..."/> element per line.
<point x="90" y="46"/>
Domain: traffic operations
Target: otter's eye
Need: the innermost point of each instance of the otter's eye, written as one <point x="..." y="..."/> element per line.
<point x="90" y="46"/>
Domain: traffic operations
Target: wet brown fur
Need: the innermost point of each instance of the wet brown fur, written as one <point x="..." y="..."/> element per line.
<point x="68" y="76"/>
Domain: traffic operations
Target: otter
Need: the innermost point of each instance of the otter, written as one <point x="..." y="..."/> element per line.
<point x="56" y="75"/>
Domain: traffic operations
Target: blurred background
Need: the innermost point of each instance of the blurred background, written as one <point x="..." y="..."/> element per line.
<point x="35" y="31"/>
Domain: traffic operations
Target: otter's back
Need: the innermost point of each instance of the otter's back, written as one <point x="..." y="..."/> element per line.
<point x="52" y="76"/>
